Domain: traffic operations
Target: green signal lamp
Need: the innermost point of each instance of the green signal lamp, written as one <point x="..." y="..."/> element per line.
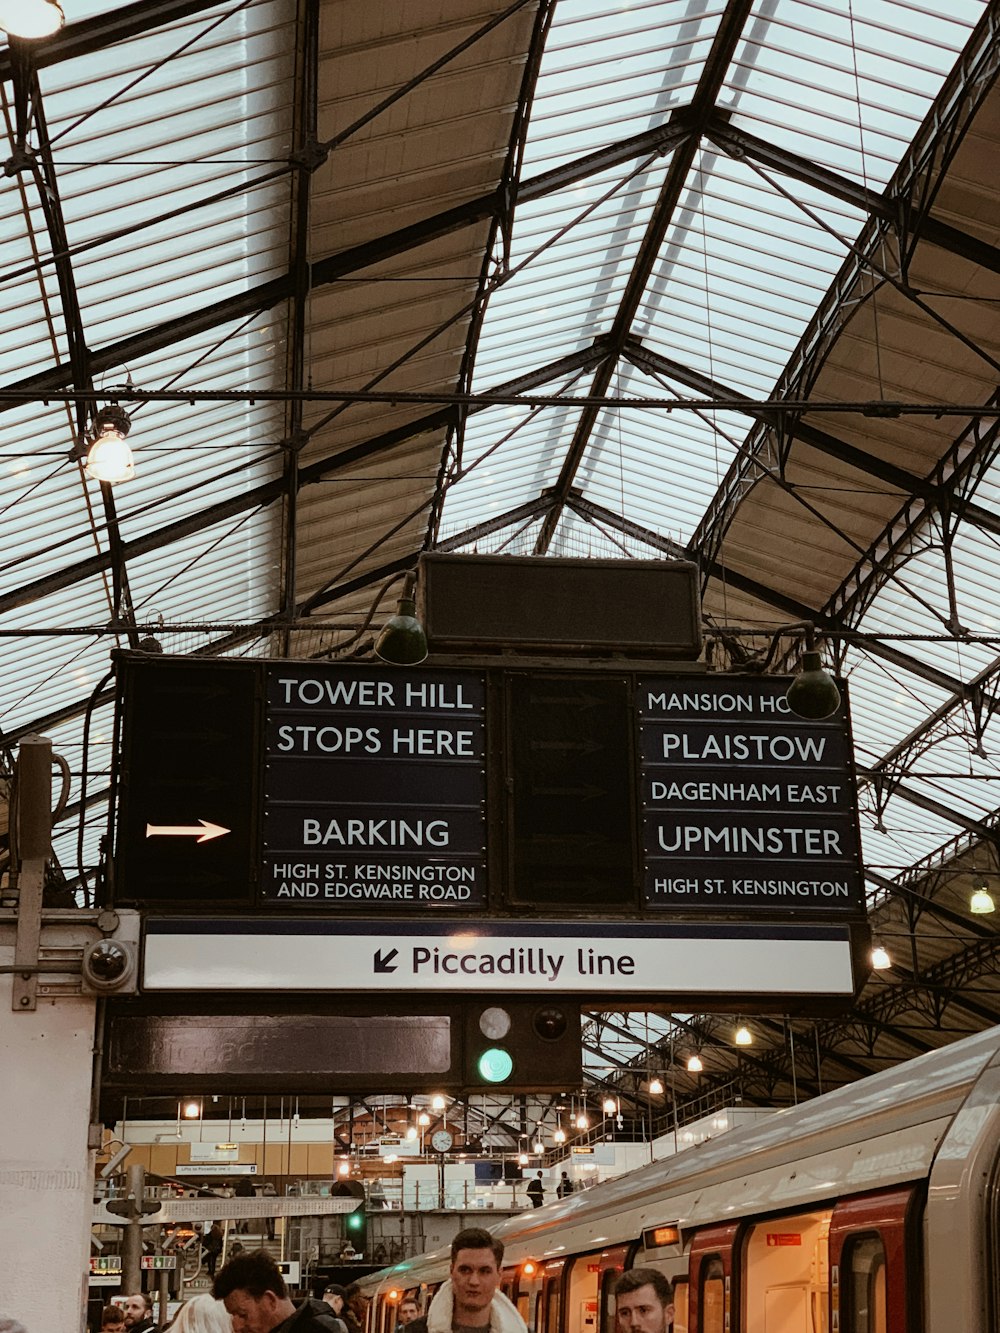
<point x="402" y="641"/>
<point x="495" y="1065"/>
<point x="355" y="1220"/>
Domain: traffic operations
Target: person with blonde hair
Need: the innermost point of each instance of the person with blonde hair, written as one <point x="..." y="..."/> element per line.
<point x="202" y="1314"/>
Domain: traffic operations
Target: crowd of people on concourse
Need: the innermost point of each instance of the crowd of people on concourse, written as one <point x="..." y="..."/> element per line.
<point x="249" y="1295"/>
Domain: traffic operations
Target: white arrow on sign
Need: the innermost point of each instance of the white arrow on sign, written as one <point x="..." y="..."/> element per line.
<point x="203" y="830"/>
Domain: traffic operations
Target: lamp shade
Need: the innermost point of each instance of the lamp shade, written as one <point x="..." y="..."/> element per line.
<point x="402" y="640"/>
<point x="813" y="693"/>
<point x="31" y="19"/>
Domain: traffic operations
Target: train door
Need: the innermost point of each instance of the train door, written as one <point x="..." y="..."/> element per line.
<point x="525" y="1291"/>
<point x="548" y="1304"/>
<point x="710" y="1281"/>
<point x="873" y="1289"/>
<point x="786" y="1262"/>
<point x="589" y="1282"/>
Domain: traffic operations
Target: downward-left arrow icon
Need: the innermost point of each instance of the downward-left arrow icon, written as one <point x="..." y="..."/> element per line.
<point x="383" y="962"/>
<point x="203" y="830"/>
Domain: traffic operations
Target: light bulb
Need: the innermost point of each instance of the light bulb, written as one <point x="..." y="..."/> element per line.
<point x="438" y="1102"/>
<point x="656" y="1087"/>
<point x="344" y="1169"/>
<point x="582" y="1122"/>
<point x="538" y="1146"/>
<point x="110" y="458"/>
<point x="522" y="1159"/>
<point x="423" y="1119"/>
<point x="560" y="1136"/>
<point x="192" y="1110"/>
<point x="743" y="1036"/>
<point x="694" y="1064"/>
<point x="609" y="1106"/>
<point x="880" y="959"/>
<point x="411" y="1133"/>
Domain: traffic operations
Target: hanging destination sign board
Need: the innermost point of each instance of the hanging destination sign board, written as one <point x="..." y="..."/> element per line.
<point x="744" y="804"/>
<point x="374" y="788"/>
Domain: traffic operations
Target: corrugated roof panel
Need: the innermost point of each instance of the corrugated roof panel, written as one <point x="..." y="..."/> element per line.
<point x="887" y="702"/>
<point x="726" y="262"/>
<point x="846" y="85"/>
<point x="209" y="118"/>
<point x="580" y="244"/>
<point x="642" y="60"/>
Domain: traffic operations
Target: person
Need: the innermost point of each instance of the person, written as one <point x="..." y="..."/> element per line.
<point x="471" y="1298"/>
<point x="408" y="1311"/>
<point x="644" y="1301"/>
<point x="112" y="1319"/>
<point x="244" y="1190"/>
<point x="139" y="1313"/>
<point x="212" y="1247"/>
<point x="269" y="1192"/>
<point x="8" y="1325"/>
<point x="255" y="1296"/>
<point x="355" y="1311"/>
<point x="536" y="1191"/>
<point x="564" y="1187"/>
<point x="201" y="1314"/>
<point x="336" y="1298"/>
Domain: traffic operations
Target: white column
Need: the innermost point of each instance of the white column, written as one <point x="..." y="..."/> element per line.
<point x="46" y="1169"/>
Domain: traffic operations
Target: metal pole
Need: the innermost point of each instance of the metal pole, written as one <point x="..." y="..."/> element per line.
<point x="163" y="1296"/>
<point x="132" y="1239"/>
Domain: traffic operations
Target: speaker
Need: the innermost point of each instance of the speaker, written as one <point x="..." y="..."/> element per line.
<point x="587" y="607"/>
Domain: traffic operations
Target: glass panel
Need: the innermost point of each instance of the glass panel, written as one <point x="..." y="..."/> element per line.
<point x="713" y="1297"/>
<point x="864" y="1267"/>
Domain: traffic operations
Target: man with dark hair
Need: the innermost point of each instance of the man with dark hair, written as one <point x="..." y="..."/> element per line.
<point x="470" y="1301"/>
<point x="139" y="1313"/>
<point x="644" y="1301"/>
<point x="256" y="1299"/>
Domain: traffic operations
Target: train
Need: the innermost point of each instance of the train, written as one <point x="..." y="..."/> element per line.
<point x="874" y="1208"/>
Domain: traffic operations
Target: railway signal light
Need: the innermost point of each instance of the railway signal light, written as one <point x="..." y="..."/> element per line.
<point x="523" y="1046"/>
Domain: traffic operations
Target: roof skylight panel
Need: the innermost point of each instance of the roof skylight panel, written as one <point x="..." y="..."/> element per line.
<point x="879" y="66"/>
<point x="887" y="702"/>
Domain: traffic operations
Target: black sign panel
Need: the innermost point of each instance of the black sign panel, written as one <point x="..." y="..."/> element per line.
<point x="745" y="805"/>
<point x="374" y="788"/>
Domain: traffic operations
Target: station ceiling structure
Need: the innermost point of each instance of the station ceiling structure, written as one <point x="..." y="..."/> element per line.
<point x="715" y="279"/>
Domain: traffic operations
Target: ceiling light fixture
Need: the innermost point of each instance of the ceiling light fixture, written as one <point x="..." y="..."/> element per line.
<point x="743" y="1036"/>
<point x="981" y="902"/>
<point x="31" y="19"/>
<point x="109" y="458"/>
<point x="403" y="641"/>
<point x="813" y="693"/>
<point x="880" y="959"/>
<point x="610" y="1106"/>
<point x="582" y="1122"/>
<point x="694" y="1064"/>
<point x="655" y="1087"/>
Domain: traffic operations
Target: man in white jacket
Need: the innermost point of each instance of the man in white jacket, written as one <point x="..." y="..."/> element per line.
<point x="470" y="1301"/>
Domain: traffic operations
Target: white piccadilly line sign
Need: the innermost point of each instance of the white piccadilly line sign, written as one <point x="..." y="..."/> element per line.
<point x="745" y="805"/>
<point x="513" y="957"/>
<point x="374" y="788"/>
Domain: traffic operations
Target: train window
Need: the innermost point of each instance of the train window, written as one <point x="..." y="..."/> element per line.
<point x="549" y="1306"/>
<point x="589" y="1305"/>
<point x="864" y="1304"/>
<point x="787" y="1274"/>
<point x="680" y="1307"/>
<point x="713" y="1297"/>
<point x="527" y="1291"/>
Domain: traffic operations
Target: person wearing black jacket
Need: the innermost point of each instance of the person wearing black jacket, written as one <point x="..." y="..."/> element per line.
<point x="139" y="1313"/>
<point x="256" y="1298"/>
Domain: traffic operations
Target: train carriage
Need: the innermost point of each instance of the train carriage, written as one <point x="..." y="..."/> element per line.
<point x="871" y="1209"/>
